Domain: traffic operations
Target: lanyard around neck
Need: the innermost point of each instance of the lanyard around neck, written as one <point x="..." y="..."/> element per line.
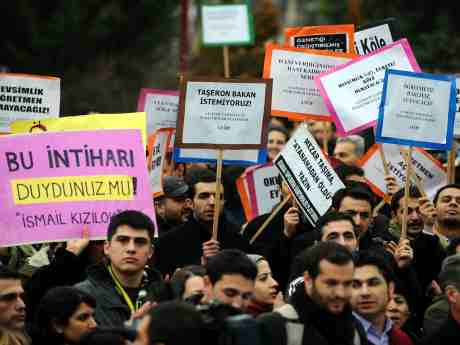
<point x="121" y="290"/>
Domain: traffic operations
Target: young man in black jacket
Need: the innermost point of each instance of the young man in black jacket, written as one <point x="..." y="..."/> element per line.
<point x="124" y="284"/>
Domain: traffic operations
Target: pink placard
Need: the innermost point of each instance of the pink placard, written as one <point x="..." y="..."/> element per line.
<point x="52" y="184"/>
<point x="329" y="104"/>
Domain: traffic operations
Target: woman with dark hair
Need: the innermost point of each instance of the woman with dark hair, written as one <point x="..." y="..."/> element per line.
<point x="63" y="316"/>
<point x="277" y="138"/>
<point x="187" y="284"/>
<point x="266" y="288"/>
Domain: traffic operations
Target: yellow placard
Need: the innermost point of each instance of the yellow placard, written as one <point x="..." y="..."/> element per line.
<point x="72" y="188"/>
<point x="84" y="123"/>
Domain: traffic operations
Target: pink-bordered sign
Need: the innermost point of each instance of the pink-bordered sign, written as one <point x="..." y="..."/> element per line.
<point x="352" y="91"/>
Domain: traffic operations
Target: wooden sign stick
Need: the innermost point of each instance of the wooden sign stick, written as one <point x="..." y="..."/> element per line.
<point x="226" y="62"/>
<point x="406" y="193"/>
<point x="270" y="218"/>
<point x="215" y="224"/>
<point x="451" y="164"/>
<point x="419" y="185"/>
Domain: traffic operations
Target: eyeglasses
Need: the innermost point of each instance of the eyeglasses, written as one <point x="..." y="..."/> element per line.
<point x="11" y="297"/>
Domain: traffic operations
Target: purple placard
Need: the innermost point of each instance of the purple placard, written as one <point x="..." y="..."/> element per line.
<point x="340" y="127"/>
<point x="119" y="180"/>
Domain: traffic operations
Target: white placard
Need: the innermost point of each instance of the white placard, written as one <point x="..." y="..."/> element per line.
<point x="159" y="148"/>
<point x="231" y="155"/>
<point x="161" y="108"/>
<point x="28" y="97"/>
<point x="371" y="39"/>
<point x="223" y="114"/>
<point x="267" y="192"/>
<point x="353" y="91"/>
<point x="308" y="173"/>
<point x="430" y="172"/>
<point x="417" y="109"/>
<point x="225" y="24"/>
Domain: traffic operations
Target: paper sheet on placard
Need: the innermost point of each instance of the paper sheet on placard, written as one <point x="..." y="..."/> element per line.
<point x="295" y="94"/>
<point x="457" y="113"/>
<point x="53" y="184"/>
<point x="83" y="122"/>
<point x="336" y="38"/>
<point x="417" y="109"/>
<point x="223" y="114"/>
<point x="226" y="24"/>
<point x="160" y="107"/>
<point x="28" y="97"/>
<point x="373" y="38"/>
<point x="264" y="187"/>
<point x="308" y="174"/>
<point x="430" y="171"/>
<point x="157" y="149"/>
<point x="353" y="91"/>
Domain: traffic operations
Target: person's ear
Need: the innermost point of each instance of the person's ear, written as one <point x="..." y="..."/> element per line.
<point x="57" y="328"/>
<point x="106" y="247"/>
<point x="451" y="293"/>
<point x="308" y="281"/>
<point x="208" y="288"/>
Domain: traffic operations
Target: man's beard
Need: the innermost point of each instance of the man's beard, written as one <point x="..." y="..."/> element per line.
<point x="450" y="227"/>
<point x="321" y="301"/>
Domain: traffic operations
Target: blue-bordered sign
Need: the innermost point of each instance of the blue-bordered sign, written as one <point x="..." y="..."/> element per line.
<point x="231" y="157"/>
<point x="417" y="109"/>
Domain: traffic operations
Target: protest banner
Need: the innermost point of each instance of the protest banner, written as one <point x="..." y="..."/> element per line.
<point x="428" y="170"/>
<point x="25" y="96"/>
<point x="352" y="91"/>
<point x="264" y="188"/>
<point x="224" y="25"/>
<point x="83" y="123"/>
<point x="374" y="36"/>
<point x="295" y="94"/>
<point x="53" y="184"/>
<point x="160" y="107"/>
<point x="457" y="111"/>
<point x="223" y="113"/>
<point x="337" y="38"/>
<point x="308" y="174"/>
<point x="157" y="148"/>
<point x="417" y="109"/>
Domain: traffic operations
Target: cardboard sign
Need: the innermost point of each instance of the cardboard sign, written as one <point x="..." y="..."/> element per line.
<point x="430" y="171"/>
<point x="457" y="112"/>
<point x="27" y="97"/>
<point x="264" y="187"/>
<point x="223" y="113"/>
<point x="295" y="94"/>
<point x="336" y="38"/>
<point x="371" y="37"/>
<point x="161" y="108"/>
<point x="157" y="148"/>
<point x="225" y="25"/>
<point x="417" y="109"/>
<point x="243" y="191"/>
<point x="308" y="173"/>
<point x="83" y="123"/>
<point x="231" y="157"/>
<point x="353" y="91"/>
<point x="53" y="184"/>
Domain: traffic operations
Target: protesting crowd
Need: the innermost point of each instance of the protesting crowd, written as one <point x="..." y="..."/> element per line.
<point x="256" y="212"/>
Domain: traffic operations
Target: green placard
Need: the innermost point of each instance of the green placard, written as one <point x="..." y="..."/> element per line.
<point x="227" y="24"/>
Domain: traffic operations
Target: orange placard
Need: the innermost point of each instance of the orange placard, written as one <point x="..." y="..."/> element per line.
<point x="241" y="187"/>
<point x="337" y="38"/>
<point x="295" y="94"/>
